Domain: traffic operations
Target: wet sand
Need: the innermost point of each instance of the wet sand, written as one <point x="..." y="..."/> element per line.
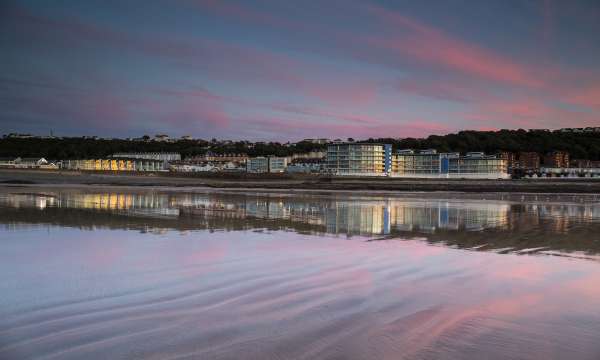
<point x="291" y="182"/>
<point x="153" y="274"/>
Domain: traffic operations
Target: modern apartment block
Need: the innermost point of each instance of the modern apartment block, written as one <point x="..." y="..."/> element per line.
<point x="272" y="164"/>
<point x="277" y="164"/>
<point x="257" y="165"/>
<point x="475" y="165"/>
<point x="430" y="164"/>
<point x="408" y="163"/>
<point x="359" y="159"/>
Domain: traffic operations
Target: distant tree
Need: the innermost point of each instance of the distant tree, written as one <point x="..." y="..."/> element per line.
<point x="579" y="145"/>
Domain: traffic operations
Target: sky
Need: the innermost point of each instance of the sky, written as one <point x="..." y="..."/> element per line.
<point x="287" y="70"/>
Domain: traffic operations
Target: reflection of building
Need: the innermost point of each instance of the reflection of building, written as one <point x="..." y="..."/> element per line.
<point x="359" y="159"/>
<point x="466" y="223"/>
<point x="430" y="216"/>
<point x="357" y="219"/>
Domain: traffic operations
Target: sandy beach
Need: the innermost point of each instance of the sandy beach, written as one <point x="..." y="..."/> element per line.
<point x="291" y="182"/>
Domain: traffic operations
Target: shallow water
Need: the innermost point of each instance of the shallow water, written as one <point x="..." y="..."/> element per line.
<point x="103" y="273"/>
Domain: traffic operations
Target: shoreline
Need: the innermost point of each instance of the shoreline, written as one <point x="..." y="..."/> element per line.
<point x="297" y="182"/>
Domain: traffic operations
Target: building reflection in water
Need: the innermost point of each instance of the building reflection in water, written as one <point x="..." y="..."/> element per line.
<point x="460" y="221"/>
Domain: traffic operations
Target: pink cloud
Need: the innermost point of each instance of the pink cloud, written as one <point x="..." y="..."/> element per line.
<point x="443" y="89"/>
<point x="197" y="118"/>
<point x="223" y="61"/>
<point x="98" y="110"/>
<point x="433" y="46"/>
<point x="531" y="112"/>
<point x="587" y="96"/>
<point x="195" y="109"/>
<point x="309" y="78"/>
<point x="376" y="129"/>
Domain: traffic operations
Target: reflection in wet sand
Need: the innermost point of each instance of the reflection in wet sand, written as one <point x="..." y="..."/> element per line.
<point x="505" y="225"/>
<point x="274" y="276"/>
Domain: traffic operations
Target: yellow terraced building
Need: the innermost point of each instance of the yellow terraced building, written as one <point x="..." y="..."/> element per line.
<point x="113" y="165"/>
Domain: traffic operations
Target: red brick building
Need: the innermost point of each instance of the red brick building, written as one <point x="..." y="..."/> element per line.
<point x="529" y="161"/>
<point x="557" y="159"/>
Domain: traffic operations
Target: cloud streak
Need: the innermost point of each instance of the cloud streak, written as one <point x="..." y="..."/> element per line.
<point x="233" y="69"/>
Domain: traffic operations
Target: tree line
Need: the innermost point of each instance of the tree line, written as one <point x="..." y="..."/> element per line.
<point x="86" y="148"/>
<point x="579" y="145"/>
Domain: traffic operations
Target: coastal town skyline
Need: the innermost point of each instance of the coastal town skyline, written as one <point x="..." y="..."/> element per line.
<point x="277" y="71"/>
<point x="320" y="141"/>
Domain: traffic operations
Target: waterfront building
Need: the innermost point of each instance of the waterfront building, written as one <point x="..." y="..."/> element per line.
<point x="113" y="165"/>
<point x="261" y="164"/>
<point x="9" y="161"/>
<point x="511" y="159"/>
<point x="162" y="156"/>
<point x="529" y="161"/>
<point x="430" y="164"/>
<point x="474" y="165"/>
<point x="304" y="167"/>
<point x="547" y="172"/>
<point x="277" y="164"/>
<point x="161" y="137"/>
<point x="557" y="159"/>
<point x="585" y="164"/>
<point x="581" y="130"/>
<point x="408" y="163"/>
<point x="257" y="165"/>
<point x="220" y="158"/>
<point x="320" y="141"/>
<point x="30" y="162"/>
<point x="359" y="159"/>
<point x="192" y="167"/>
<point x="312" y="155"/>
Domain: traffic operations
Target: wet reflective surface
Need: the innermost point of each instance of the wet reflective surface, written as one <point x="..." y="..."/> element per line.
<point x="130" y="273"/>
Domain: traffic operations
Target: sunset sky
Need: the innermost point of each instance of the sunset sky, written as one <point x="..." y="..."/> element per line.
<point x="287" y="70"/>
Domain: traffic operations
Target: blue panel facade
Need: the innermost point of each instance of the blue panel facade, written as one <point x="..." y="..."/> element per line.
<point x="444" y="217"/>
<point x="445" y="165"/>
<point x="386" y="221"/>
<point x="388" y="158"/>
